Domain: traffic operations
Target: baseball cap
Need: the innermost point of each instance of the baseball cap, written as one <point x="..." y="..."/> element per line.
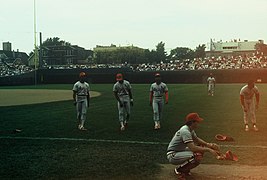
<point x="82" y="74"/>
<point x="157" y="75"/>
<point x="119" y="77"/>
<point x="193" y="117"/>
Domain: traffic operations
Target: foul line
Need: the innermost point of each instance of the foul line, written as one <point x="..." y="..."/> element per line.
<point x="116" y="141"/>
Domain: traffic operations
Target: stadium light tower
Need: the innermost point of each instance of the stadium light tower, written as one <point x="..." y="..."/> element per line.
<point x="35" y="46"/>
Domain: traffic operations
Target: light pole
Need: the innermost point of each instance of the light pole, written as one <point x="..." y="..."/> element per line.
<point x="35" y="46"/>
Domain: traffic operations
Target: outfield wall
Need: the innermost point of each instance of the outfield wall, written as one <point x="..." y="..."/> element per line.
<point x="69" y="76"/>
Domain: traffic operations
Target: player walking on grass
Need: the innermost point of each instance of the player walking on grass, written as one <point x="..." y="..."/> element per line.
<point x="211" y="85"/>
<point x="247" y="101"/>
<point x="123" y="93"/>
<point x="186" y="149"/>
<point x="157" y="91"/>
<point x="81" y="97"/>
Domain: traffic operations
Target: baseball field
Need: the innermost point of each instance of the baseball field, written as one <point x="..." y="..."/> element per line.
<point x="48" y="145"/>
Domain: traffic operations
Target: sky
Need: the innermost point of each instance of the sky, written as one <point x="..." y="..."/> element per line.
<point x="142" y="23"/>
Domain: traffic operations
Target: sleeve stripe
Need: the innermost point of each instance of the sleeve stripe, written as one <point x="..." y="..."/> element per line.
<point x="188" y="141"/>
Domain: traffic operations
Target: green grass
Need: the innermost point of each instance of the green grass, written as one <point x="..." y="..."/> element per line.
<point x="38" y="159"/>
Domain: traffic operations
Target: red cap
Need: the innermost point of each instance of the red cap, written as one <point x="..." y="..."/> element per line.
<point x="220" y="137"/>
<point x="193" y="117"/>
<point x="82" y="74"/>
<point x="119" y="77"/>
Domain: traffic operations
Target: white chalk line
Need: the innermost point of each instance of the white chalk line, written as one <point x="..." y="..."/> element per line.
<point x="117" y="141"/>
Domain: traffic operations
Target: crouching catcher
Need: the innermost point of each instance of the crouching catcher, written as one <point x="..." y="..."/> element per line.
<point x="186" y="149"/>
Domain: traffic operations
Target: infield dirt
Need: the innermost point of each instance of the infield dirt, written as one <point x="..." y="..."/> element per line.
<point x="212" y="171"/>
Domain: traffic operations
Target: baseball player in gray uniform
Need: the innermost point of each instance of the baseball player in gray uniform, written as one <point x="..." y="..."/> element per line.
<point x="247" y="101"/>
<point x="81" y="98"/>
<point x="186" y="149"/>
<point x="123" y="93"/>
<point x="157" y="91"/>
<point x="211" y="85"/>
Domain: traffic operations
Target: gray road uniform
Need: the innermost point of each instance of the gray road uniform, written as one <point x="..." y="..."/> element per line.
<point x="177" y="151"/>
<point x="249" y="103"/>
<point x="122" y="90"/>
<point x="158" y="100"/>
<point x="82" y="91"/>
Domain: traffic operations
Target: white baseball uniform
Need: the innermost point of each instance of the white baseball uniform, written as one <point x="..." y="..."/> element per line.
<point x="249" y="103"/>
<point x="122" y="90"/>
<point x="177" y="151"/>
<point x="211" y="85"/>
<point x="82" y="91"/>
<point x="158" y="100"/>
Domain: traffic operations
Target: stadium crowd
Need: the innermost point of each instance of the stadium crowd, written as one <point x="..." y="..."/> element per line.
<point x="13" y="69"/>
<point x="237" y="62"/>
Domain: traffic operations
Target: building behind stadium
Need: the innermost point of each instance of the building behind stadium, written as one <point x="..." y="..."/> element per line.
<point x="233" y="48"/>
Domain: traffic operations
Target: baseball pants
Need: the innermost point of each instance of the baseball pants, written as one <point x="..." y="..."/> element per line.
<point x="124" y="112"/>
<point x="81" y="108"/>
<point x="250" y="114"/>
<point x="211" y="88"/>
<point x="157" y="109"/>
<point x="178" y="158"/>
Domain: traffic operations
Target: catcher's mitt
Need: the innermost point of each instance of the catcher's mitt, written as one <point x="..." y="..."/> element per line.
<point x="231" y="156"/>
<point x="220" y="137"/>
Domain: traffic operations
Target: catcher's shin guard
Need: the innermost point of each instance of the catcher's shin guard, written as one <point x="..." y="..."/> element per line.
<point x="193" y="162"/>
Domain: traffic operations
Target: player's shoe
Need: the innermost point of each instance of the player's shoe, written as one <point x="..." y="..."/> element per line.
<point x="180" y="175"/>
<point x="83" y="129"/>
<point x="122" y="128"/>
<point x="80" y="127"/>
<point x="156" y="127"/>
<point x="255" y="128"/>
<point x="125" y="124"/>
<point x="246" y="128"/>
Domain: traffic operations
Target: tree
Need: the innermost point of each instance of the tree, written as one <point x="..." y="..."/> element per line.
<point x="181" y="53"/>
<point x="200" y="51"/>
<point x="161" y="53"/>
<point x="55" y="41"/>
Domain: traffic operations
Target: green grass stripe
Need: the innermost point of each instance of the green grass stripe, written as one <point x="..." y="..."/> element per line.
<point x="115" y="141"/>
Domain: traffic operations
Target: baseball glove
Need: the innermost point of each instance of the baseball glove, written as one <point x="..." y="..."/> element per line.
<point x="220" y="137"/>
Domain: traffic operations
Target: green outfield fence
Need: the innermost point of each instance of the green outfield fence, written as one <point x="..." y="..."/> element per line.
<point x="107" y="75"/>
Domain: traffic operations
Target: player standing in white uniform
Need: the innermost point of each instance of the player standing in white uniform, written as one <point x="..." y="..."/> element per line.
<point x="157" y="90"/>
<point x="186" y="149"/>
<point x="123" y="93"/>
<point x="81" y="97"/>
<point x="211" y="85"/>
<point x="248" y="103"/>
